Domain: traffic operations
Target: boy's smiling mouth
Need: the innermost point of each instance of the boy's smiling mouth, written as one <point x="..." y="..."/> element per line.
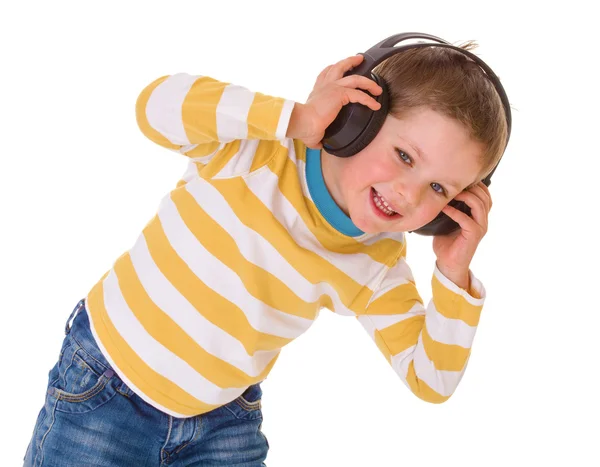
<point x="381" y="206"/>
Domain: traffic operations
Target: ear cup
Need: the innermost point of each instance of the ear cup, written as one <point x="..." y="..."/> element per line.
<point x="443" y="224"/>
<point x="358" y="127"/>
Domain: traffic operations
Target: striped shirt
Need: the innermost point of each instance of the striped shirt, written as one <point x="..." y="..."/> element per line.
<point x="241" y="257"/>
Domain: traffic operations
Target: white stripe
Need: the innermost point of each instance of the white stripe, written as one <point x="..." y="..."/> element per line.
<point x="259" y="251"/>
<point x="122" y="375"/>
<point x="360" y="267"/>
<point x="223" y="280"/>
<point x="189" y="147"/>
<point x="448" y="331"/>
<point x="163" y="109"/>
<point x="401" y="362"/>
<point x="157" y="357"/>
<point x="441" y="381"/>
<point x="232" y="113"/>
<point x="368" y="325"/>
<point x="241" y="162"/>
<point x="208" y="336"/>
<point x="384" y="321"/>
<point x="284" y="119"/>
<point x="398" y="275"/>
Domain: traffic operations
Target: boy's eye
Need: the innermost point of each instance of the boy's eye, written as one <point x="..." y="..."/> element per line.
<point x="437" y="188"/>
<point x="405" y="157"/>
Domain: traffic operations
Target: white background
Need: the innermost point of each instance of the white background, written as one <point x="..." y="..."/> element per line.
<point x="79" y="181"/>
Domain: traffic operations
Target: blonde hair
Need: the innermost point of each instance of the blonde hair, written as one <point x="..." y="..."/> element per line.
<point x="449" y="82"/>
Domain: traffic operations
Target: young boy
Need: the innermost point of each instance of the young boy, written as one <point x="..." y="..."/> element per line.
<point x="163" y="362"/>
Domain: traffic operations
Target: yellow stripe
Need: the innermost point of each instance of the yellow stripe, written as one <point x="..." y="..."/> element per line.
<point x="155" y="386"/>
<point x="203" y="150"/>
<point x="445" y="357"/>
<point x="383" y="348"/>
<point x="263" y="116"/>
<point x="212" y="306"/>
<point x="452" y="305"/>
<point x="199" y="110"/>
<point x="165" y="331"/>
<point x="384" y="251"/>
<point x="300" y="150"/>
<point x="402" y="335"/>
<point x="221" y="158"/>
<point x="142" y="120"/>
<point x="400" y="299"/>
<point x="265" y="152"/>
<point x="260" y="283"/>
<point x="421" y="389"/>
<point x="252" y="212"/>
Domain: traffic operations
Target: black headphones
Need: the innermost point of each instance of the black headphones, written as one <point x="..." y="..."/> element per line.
<point x="357" y="125"/>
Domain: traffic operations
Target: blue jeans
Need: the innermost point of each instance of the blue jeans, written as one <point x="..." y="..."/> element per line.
<point x="92" y="418"/>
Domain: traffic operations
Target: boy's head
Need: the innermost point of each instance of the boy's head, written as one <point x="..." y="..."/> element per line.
<point x="446" y="130"/>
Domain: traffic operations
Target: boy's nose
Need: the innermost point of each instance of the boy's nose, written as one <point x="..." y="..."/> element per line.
<point x="410" y="192"/>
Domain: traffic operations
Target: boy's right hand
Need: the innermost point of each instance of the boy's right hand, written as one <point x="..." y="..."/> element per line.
<point x="331" y="92"/>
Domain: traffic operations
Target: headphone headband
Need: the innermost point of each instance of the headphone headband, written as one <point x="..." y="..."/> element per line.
<point x="387" y="47"/>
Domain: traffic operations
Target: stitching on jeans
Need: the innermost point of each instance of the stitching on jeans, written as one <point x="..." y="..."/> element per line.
<point x="82" y="348"/>
<point x="126" y="394"/>
<point x="41" y="446"/>
<point x="94" y="390"/>
<point x="164" y="455"/>
<point x="193" y="438"/>
<point x="242" y="402"/>
<point x="64" y="373"/>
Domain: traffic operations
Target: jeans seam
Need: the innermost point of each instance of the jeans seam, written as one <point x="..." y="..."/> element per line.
<point x="82" y="348"/>
<point x="193" y="438"/>
<point x="41" y="446"/>
<point x="164" y="455"/>
<point x="64" y="373"/>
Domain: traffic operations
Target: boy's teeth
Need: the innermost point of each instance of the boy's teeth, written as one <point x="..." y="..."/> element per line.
<point x="382" y="204"/>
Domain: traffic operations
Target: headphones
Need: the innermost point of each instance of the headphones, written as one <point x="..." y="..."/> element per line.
<point x="357" y="125"/>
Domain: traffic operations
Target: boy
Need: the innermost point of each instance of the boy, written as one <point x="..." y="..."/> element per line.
<point x="164" y="359"/>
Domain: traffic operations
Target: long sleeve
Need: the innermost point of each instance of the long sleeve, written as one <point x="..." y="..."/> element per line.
<point x="427" y="347"/>
<point x="198" y="115"/>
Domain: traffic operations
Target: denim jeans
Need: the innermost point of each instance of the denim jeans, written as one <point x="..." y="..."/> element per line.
<point x="92" y="418"/>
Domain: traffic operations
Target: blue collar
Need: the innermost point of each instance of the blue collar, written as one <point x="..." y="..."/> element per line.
<point x="322" y="198"/>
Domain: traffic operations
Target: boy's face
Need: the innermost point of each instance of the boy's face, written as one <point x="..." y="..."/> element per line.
<point x="415" y="186"/>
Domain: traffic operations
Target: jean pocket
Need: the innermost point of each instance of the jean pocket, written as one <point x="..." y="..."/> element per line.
<point x="248" y="405"/>
<point x="81" y="384"/>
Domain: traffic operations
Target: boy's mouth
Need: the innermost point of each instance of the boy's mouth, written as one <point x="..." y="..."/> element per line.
<point x="381" y="206"/>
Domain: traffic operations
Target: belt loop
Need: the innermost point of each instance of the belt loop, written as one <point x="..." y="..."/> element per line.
<point x="78" y="307"/>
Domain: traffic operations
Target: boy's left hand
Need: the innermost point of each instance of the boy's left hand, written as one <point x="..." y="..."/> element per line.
<point x="455" y="251"/>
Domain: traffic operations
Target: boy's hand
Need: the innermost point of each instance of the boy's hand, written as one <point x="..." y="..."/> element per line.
<point x="455" y="251"/>
<point x="330" y="93"/>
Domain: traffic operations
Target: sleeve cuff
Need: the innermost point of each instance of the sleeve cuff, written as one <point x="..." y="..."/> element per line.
<point x="284" y="119"/>
<point x="476" y="294"/>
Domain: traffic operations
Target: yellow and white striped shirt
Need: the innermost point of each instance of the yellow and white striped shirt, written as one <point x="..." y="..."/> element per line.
<point x="239" y="260"/>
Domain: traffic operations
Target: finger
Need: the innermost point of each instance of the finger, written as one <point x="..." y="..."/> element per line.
<point x="466" y="223"/>
<point x="480" y="194"/>
<point x="479" y="211"/>
<point x="360" y="97"/>
<point x="485" y="188"/>
<point x="362" y="82"/>
<point x="337" y="71"/>
<point x="323" y="73"/>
